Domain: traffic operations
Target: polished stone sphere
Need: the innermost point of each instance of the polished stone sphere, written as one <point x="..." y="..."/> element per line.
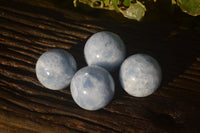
<point x="105" y="49"/>
<point x="92" y="88"/>
<point x="140" y="75"/>
<point x="55" y="69"/>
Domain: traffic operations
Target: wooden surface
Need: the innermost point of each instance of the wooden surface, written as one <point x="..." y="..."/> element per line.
<point x="28" y="29"/>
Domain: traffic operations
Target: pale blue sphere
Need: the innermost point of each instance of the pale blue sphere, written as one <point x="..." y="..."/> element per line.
<point x="105" y="49"/>
<point x="140" y="75"/>
<point x="92" y="88"/>
<point x="55" y="69"/>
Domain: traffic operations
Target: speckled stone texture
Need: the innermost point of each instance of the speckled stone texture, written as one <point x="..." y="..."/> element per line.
<point x="105" y="49"/>
<point x="140" y="75"/>
<point x="92" y="88"/>
<point x="55" y="69"/>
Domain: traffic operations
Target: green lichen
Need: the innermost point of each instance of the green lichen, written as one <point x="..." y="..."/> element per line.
<point x="129" y="8"/>
<point x="191" y="7"/>
<point x="135" y="9"/>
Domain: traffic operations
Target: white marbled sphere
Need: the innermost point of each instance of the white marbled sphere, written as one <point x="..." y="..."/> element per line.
<point x="105" y="49"/>
<point x="140" y="75"/>
<point x="55" y="69"/>
<point x="92" y="88"/>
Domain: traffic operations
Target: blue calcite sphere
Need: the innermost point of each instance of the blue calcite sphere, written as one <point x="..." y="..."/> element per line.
<point x="140" y="75"/>
<point x="105" y="49"/>
<point x="92" y="88"/>
<point x="55" y="69"/>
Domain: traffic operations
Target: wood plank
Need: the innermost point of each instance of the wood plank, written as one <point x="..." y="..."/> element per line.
<point x="29" y="29"/>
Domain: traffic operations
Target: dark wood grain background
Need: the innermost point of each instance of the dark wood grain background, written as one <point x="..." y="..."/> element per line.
<point x="29" y="28"/>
